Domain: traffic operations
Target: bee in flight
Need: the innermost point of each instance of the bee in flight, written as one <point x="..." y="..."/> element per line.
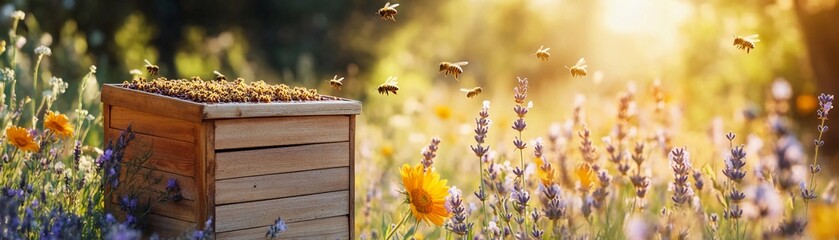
<point x="219" y="76"/>
<point x="543" y="53"/>
<point x="455" y="69"/>
<point x="578" y="69"/>
<point x="471" y="92"/>
<point x="388" y="11"/>
<point x="153" y="69"/>
<point x="335" y="82"/>
<point x="389" y="86"/>
<point x="747" y="43"/>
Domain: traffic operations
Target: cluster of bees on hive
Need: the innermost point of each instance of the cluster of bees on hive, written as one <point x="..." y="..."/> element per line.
<point x="388" y="12"/>
<point x="220" y="90"/>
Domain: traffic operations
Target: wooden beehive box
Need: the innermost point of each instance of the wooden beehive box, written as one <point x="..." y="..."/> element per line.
<point x="244" y="164"/>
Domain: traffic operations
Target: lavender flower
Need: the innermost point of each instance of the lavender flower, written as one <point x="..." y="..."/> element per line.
<point x="454" y="204"/>
<point x="734" y="166"/>
<point x="588" y="149"/>
<point x="520" y="199"/>
<point x="554" y="209"/>
<point x="680" y="162"/>
<point x="429" y="153"/>
<point x="825" y="104"/>
<point x="602" y="191"/>
<point x="276" y="229"/>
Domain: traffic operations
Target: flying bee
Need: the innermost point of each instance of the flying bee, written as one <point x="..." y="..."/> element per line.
<point x="747" y="43"/>
<point x="578" y="69"/>
<point x="335" y="82"/>
<point x="388" y="11"/>
<point x="153" y="69"/>
<point x="389" y="86"/>
<point x="543" y="53"/>
<point x="471" y="92"/>
<point x="455" y="69"/>
<point x="219" y="76"/>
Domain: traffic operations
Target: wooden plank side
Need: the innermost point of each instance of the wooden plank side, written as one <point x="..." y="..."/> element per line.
<point x="152" y="124"/>
<point x="351" y="182"/>
<point x="293" y="209"/>
<point x="326" y="228"/>
<point x="146" y="178"/>
<point x="281" y="185"/>
<point x="201" y="178"/>
<point x="279" y="131"/>
<point x="116" y="95"/>
<point x="210" y="171"/>
<point x="279" y="160"/>
<point x="166" y="155"/>
<point x="276" y="109"/>
<point x="181" y="210"/>
<point x="165" y="226"/>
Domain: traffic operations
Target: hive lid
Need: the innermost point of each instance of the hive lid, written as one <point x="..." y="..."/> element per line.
<point x="116" y="95"/>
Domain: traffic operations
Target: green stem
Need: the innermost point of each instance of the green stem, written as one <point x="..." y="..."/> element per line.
<point x="813" y="174"/>
<point x="391" y="232"/>
<point x="523" y="183"/>
<point x="35" y="81"/>
<point x="482" y="191"/>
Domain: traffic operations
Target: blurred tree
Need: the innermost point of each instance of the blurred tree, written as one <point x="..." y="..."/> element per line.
<point x="818" y="20"/>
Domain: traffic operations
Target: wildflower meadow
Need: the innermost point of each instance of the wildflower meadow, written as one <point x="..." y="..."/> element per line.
<point x="608" y="119"/>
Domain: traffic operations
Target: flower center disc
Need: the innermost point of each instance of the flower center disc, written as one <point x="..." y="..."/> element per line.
<point x="421" y="200"/>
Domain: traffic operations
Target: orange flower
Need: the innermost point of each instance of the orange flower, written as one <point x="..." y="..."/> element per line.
<point x="20" y="138"/>
<point x="58" y="124"/>
<point x="426" y="194"/>
<point x="546" y="175"/>
<point x="586" y="176"/>
<point x="806" y="104"/>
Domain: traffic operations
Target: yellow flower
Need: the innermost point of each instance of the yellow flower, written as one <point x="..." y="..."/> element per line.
<point x="823" y="221"/>
<point x="426" y="194"/>
<point x="386" y="150"/>
<point x="443" y="112"/>
<point x="20" y="138"/>
<point x="547" y="176"/>
<point x="586" y="176"/>
<point x="58" y="124"/>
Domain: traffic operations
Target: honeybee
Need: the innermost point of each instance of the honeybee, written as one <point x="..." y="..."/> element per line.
<point x="389" y="86"/>
<point x="455" y="69"/>
<point x="219" y="76"/>
<point x="335" y="82"/>
<point x="471" y="92"/>
<point x="578" y="69"/>
<point x="747" y="42"/>
<point x="388" y="11"/>
<point x="153" y="69"/>
<point x="543" y="53"/>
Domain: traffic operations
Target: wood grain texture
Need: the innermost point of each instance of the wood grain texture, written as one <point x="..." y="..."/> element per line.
<point x="116" y="95"/>
<point x="168" y="155"/>
<point x="293" y="209"/>
<point x="209" y="199"/>
<point x="276" y="109"/>
<point x="280" y="160"/>
<point x="326" y="228"/>
<point x="281" y="185"/>
<point x="166" y="226"/>
<point x="279" y="131"/>
<point x="181" y="210"/>
<point x="152" y="124"/>
<point x="146" y="178"/>
<point x="351" y="182"/>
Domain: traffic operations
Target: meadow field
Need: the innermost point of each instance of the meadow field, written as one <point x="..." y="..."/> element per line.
<point x="677" y="126"/>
